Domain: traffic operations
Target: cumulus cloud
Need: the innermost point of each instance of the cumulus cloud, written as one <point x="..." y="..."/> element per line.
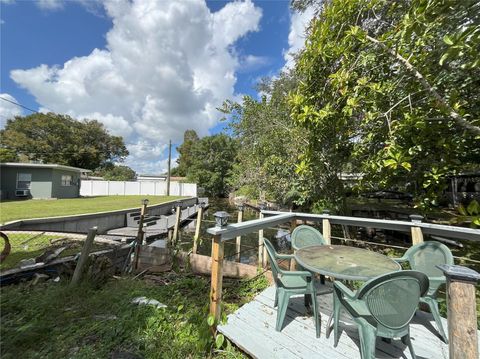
<point x="8" y="110"/>
<point x="166" y="67"/>
<point x="296" y="38"/>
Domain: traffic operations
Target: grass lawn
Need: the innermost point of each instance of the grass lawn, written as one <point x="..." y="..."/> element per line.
<point x="38" y="208"/>
<point x="31" y="245"/>
<point x="52" y="320"/>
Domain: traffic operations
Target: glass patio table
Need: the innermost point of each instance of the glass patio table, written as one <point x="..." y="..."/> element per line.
<point x="344" y="262"/>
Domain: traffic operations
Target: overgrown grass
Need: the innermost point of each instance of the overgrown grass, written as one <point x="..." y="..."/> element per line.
<point x="37" y="208"/>
<point x="52" y="320"/>
<point x="31" y="245"/>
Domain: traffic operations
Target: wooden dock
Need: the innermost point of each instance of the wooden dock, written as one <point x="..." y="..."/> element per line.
<point x="252" y="328"/>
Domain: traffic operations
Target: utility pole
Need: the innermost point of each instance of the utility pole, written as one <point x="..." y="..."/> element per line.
<point x="169" y="163"/>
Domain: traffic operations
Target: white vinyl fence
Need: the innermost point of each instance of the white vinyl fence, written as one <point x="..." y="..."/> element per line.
<point x="125" y="188"/>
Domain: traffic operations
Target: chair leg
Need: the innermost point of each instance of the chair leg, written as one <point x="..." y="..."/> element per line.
<point x="275" y="303"/>
<point x="283" y="298"/>
<point x="316" y="316"/>
<point x="336" y="319"/>
<point x="367" y="340"/>
<point x="433" y="305"/>
<point x="407" y="341"/>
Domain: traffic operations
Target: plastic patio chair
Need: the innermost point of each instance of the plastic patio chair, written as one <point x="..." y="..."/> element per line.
<point x="303" y="236"/>
<point x="289" y="283"/>
<point x="383" y="306"/>
<point x="424" y="257"/>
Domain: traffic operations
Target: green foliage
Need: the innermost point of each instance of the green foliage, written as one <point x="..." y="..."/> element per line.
<point x="185" y="159"/>
<point x="7" y="155"/>
<point x="270" y="145"/>
<point x="117" y="173"/>
<point x="210" y="162"/>
<point x="60" y="139"/>
<point x="469" y="214"/>
<point x="391" y="88"/>
<point x="96" y="322"/>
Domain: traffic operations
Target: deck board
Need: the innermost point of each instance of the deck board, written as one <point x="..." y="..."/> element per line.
<point x="252" y="328"/>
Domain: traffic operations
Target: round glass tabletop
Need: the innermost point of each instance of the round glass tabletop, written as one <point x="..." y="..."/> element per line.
<point x="343" y="262"/>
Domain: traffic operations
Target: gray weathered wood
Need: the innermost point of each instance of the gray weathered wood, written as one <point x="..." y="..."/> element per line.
<point x="77" y="275"/>
<point x="252" y="328"/>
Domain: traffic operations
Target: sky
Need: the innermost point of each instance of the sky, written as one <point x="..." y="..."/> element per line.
<point x="147" y="69"/>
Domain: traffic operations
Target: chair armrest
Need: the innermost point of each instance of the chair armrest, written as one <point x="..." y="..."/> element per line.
<point x="400" y="260"/>
<point x="296" y="273"/>
<point x="285" y="256"/>
<point x="345" y="290"/>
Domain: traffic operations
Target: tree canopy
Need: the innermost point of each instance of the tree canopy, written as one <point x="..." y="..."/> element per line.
<point x="391" y="88"/>
<point x="208" y="161"/>
<point x="60" y="139"/>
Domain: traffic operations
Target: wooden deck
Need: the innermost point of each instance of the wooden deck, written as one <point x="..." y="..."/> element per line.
<point x="252" y="328"/>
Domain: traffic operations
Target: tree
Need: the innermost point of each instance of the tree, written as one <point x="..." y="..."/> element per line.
<point x="391" y="88"/>
<point x="184" y="160"/>
<point x="212" y="158"/>
<point x="7" y="155"/>
<point x="117" y="173"/>
<point x="60" y="139"/>
<point x="269" y="145"/>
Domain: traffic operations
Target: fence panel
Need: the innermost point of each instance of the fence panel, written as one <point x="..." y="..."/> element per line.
<point x="128" y="188"/>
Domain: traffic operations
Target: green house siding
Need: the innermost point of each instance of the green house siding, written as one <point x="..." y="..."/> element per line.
<point x="45" y="182"/>
<point x="59" y="190"/>
<point x="40" y="185"/>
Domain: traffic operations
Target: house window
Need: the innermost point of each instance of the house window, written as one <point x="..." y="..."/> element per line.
<point x="24" y="180"/>
<point x="66" y="180"/>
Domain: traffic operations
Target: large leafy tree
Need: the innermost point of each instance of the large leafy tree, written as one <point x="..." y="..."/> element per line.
<point x="113" y="172"/>
<point x="212" y="158"/>
<point x="54" y="138"/>
<point x="269" y="145"/>
<point x="184" y="160"/>
<point x="391" y="89"/>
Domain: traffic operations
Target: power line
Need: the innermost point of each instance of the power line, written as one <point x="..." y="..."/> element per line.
<point x="18" y="104"/>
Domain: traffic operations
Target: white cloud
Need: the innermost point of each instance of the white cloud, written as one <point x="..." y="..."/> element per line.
<point x="299" y="22"/>
<point x="166" y="67"/>
<point x="7" y="109"/>
<point x="50" y="4"/>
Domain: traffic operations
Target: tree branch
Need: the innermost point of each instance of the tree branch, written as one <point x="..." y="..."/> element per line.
<point x="459" y="120"/>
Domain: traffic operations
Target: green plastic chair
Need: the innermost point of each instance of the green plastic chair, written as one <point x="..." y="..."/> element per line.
<point x="303" y="236"/>
<point x="383" y="306"/>
<point x="424" y="257"/>
<point x="289" y="283"/>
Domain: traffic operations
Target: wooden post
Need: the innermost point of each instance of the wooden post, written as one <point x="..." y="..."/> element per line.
<point x="178" y="213"/>
<point x="238" y="244"/>
<point x="216" y="278"/>
<point x="417" y="235"/>
<point x="293" y="225"/>
<point x="169" y="165"/>
<point x="141" y="232"/>
<point x="77" y="275"/>
<point x="197" y="228"/>
<point x="461" y="311"/>
<point x="260" y="244"/>
<point x="327" y="228"/>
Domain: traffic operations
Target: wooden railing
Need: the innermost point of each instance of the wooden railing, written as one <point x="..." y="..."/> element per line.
<point x="464" y="340"/>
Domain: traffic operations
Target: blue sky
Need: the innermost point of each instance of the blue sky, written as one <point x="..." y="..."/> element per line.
<point x="148" y="70"/>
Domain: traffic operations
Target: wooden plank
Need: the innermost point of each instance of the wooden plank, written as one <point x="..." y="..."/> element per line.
<point x="83" y="256"/>
<point x="216" y="277"/>
<point x="257" y="319"/>
<point x="462" y="319"/>
<point x="417" y="235"/>
<point x="238" y="242"/>
<point x="197" y="229"/>
<point x="203" y="265"/>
